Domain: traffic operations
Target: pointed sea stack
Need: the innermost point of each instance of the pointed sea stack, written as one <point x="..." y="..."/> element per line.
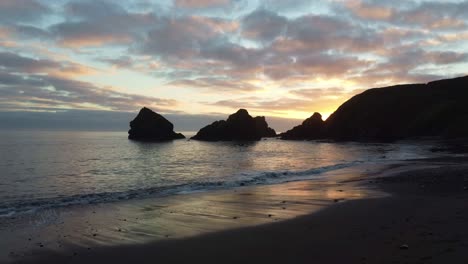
<point x="239" y="126"/>
<point x="151" y="126"/>
<point x="311" y="128"/>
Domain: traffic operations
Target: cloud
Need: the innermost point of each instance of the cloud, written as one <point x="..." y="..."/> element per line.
<point x="29" y="83"/>
<point x="217" y="84"/>
<point x="263" y="25"/>
<point x="425" y="14"/>
<point x="12" y="11"/>
<point x="201" y="3"/>
<point x="93" y="9"/>
<point x="184" y="37"/>
<point x="367" y="10"/>
<point x="20" y="64"/>
<point x="99" y="23"/>
<point x="315" y="65"/>
<point x="402" y="62"/>
<point x="45" y="92"/>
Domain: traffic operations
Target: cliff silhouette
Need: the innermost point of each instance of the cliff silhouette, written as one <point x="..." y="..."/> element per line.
<point x="435" y="109"/>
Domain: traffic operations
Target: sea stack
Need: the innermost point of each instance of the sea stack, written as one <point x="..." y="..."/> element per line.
<point x="151" y="126"/>
<point x="311" y="128"/>
<point x="239" y="126"/>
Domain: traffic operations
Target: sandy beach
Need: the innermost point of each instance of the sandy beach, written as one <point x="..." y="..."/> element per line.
<point x="400" y="213"/>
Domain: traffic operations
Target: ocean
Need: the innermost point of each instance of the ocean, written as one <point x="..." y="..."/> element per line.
<point x="45" y="170"/>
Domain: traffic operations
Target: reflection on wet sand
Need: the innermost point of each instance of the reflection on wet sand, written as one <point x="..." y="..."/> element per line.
<point x="142" y="221"/>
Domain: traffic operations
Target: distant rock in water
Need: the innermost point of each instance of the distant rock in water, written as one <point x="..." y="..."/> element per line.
<point x="262" y="128"/>
<point x="238" y="126"/>
<point x="311" y="128"/>
<point x="151" y="126"/>
<point x="435" y="109"/>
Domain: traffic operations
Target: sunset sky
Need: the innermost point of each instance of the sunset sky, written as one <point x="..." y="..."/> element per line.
<point x="281" y="58"/>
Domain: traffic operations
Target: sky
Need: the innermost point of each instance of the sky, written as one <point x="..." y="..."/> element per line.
<point x="208" y="58"/>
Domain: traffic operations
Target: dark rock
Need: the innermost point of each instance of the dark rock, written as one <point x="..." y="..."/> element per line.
<point x="239" y="126"/>
<point x="151" y="126"/>
<point x="311" y="128"/>
<point x="435" y="109"/>
<point x="403" y="111"/>
<point x="262" y="127"/>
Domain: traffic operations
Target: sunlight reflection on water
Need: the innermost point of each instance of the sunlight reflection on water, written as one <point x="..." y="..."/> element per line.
<point x="43" y="165"/>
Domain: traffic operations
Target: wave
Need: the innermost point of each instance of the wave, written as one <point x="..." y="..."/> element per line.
<point x="245" y="179"/>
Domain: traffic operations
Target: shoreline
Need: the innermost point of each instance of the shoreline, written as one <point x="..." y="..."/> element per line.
<point x="292" y="231"/>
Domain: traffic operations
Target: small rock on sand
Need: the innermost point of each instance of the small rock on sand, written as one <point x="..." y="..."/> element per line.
<point x="404" y="247"/>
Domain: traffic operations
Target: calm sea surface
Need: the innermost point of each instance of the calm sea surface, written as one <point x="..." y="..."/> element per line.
<point x="40" y="170"/>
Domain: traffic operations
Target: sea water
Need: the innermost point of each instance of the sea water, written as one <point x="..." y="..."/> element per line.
<point x="43" y="170"/>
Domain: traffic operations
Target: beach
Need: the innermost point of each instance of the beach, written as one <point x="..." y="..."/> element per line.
<point x="412" y="212"/>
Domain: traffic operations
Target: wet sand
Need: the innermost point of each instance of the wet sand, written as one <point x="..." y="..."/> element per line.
<point x="347" y="218"/>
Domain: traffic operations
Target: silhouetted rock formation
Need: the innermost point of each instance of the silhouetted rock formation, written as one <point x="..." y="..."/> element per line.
<point x="262" y="128"/>
<point x="435" y="109"/>
<point x="151" y="126"/>
<point x="311" y="128"/>
<point x="238" y="126"/>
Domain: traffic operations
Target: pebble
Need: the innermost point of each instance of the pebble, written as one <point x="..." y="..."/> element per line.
<point x="404" y="246"/>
